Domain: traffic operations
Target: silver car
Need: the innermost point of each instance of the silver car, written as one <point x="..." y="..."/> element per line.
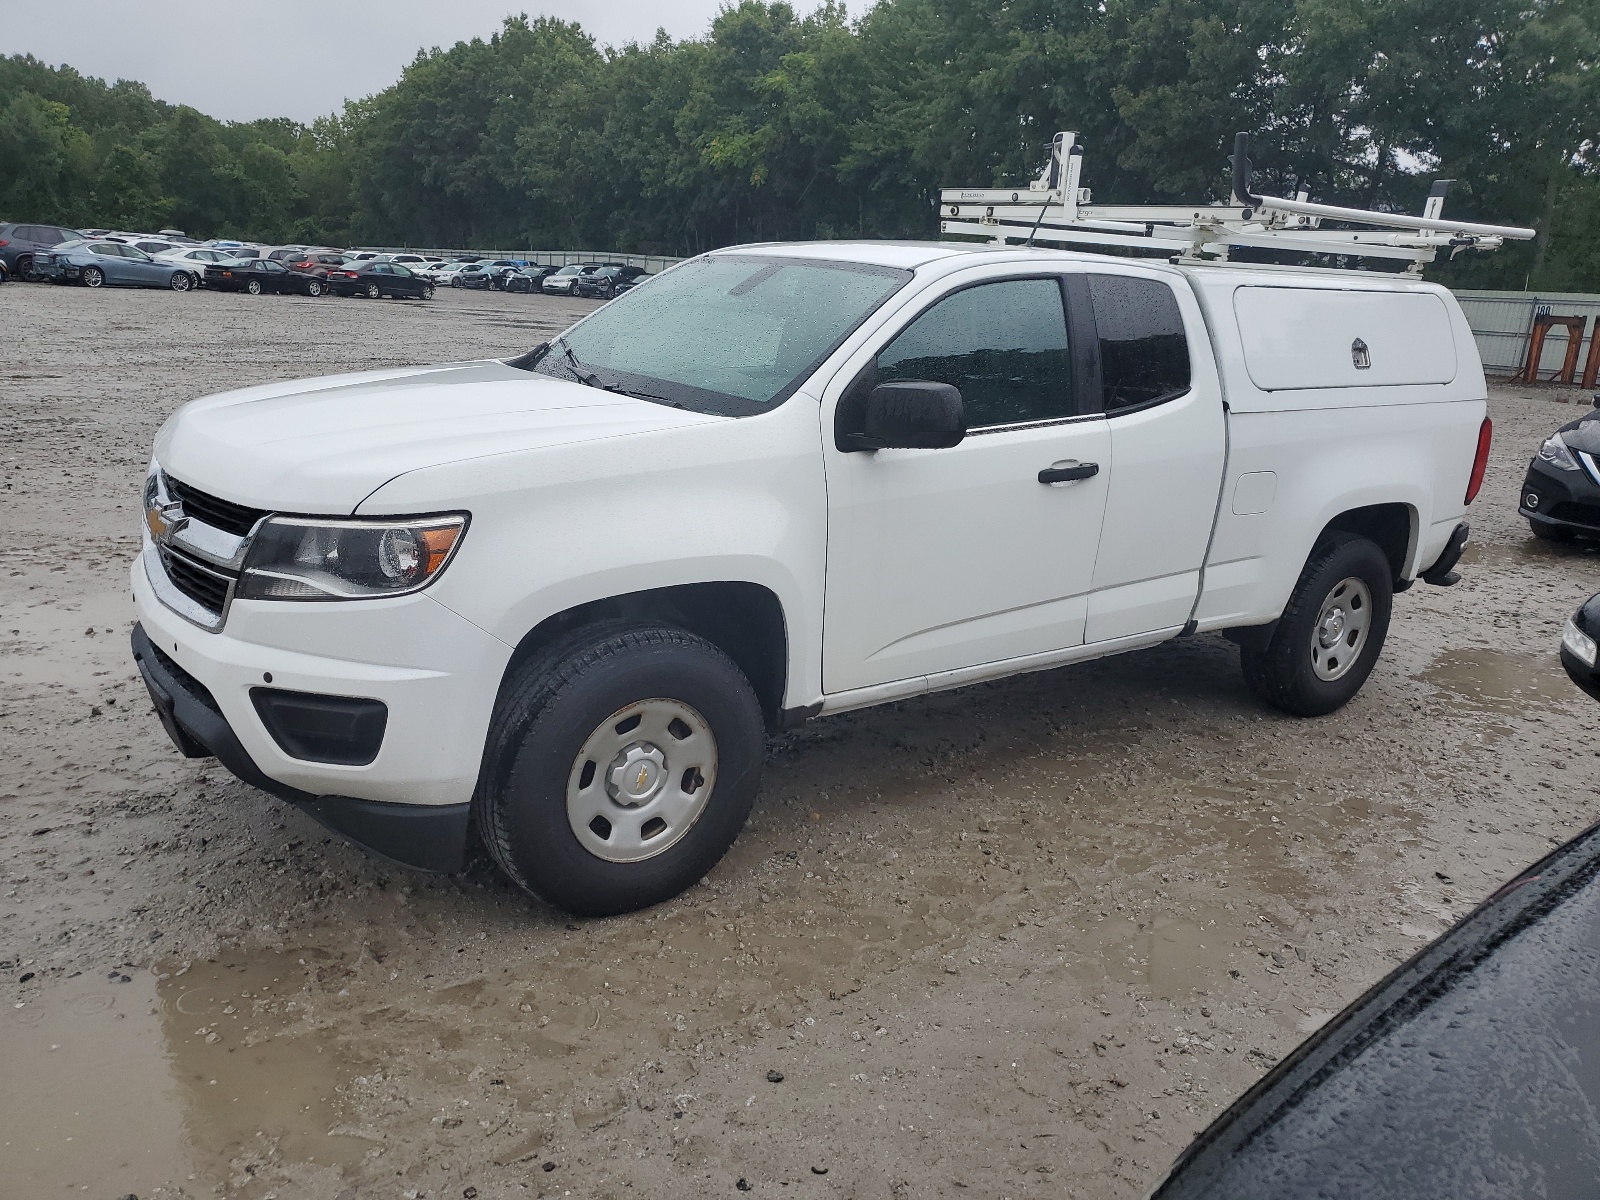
<point x="102" y="264"/>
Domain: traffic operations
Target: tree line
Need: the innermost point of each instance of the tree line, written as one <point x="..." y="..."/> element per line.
<point x="780" y="125"/>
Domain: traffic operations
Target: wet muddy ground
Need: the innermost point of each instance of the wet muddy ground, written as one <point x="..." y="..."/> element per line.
<point x="1019" y="940"/>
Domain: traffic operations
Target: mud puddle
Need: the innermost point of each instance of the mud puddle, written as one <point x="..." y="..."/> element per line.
<point x="138" y="1080"/>
<point x="1498" y="681"/>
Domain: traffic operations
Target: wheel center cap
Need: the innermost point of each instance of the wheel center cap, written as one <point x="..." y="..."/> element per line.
<point x="637" y="774"/>
<point x="1332" y="628"/>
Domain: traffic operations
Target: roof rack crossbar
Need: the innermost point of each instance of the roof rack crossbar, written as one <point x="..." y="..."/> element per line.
<point x="1055" y="209"/>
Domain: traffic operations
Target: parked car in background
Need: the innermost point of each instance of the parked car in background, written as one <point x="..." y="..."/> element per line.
<point x="315" y="262"/>
<point x="258" y="275"/>
<point x="20" y="242"/>
<point x="1561" y="493"/>
<point x="561" y="282"/>
<point x="474" y="275"/>
<point x="440" y="272"/>
<point x="374" y="279"/>
<point x="99" y="264"/>
<point x="526" y="279"/>
<point x="607" y="282"/>
<point x="196" y="258"/>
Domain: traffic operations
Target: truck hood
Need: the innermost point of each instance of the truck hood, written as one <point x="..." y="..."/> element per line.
<point x="324" y="445"/>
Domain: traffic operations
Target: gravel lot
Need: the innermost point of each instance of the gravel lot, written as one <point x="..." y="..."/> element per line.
<point x="1019" y="940"/>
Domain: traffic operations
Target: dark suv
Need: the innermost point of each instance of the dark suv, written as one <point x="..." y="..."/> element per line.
<point x="18" y="243"/>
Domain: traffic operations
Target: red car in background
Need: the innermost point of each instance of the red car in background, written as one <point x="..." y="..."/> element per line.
<point x="317" y="262"/>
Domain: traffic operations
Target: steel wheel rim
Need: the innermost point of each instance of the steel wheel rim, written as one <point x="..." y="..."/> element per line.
<point x="1340" y="633"/>
<point x="642" y="779"/>
<point x="372" y="291"/>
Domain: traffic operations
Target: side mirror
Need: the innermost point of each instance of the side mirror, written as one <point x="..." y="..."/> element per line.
<point x="911" y="414"/>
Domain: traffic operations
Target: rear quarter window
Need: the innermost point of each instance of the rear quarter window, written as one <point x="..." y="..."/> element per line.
<point x="1144" y="351"/>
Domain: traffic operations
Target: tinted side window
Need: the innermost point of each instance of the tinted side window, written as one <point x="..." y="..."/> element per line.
<point x="1144" y="354"/>
<point x="1003" y="344"/>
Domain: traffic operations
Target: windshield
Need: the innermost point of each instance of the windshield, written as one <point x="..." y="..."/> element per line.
<point x="727" y="334"/>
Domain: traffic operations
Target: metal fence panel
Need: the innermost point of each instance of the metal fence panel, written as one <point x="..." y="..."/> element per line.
<point x="1501" y="322"/>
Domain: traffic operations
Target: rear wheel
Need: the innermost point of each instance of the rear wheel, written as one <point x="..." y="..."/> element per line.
<point x="1331" y="633"/>
<point x="372" y="291"/>
<point x="92" y="277"/>
<point x="622" y="763"/>
<point x="180" y="281"/>
<point x="313" y="287"/>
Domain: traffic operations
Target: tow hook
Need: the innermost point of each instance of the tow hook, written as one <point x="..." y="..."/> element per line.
<point x="1443" y="572"/>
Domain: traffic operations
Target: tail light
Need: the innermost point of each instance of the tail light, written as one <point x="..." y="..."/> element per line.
<point x="5" y="242"/>
<point x="1480" y="461"/>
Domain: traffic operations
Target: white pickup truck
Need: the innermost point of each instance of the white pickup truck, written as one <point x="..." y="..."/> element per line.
<point x="562" y="598"/>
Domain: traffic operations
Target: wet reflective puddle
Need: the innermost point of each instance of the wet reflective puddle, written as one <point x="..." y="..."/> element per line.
<point x="1499" y="680"/>
<point x="134" y="1081"/>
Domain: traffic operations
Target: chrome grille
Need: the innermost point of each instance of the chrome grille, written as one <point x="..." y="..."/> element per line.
<point x="204" y="585"/>
<point x="236" y="519"/>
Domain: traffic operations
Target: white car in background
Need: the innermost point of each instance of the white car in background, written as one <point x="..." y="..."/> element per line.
<point x="196" y="258"/>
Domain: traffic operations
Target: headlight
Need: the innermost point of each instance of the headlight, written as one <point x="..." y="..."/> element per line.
<point x="1555" y="452"/>
<point x="1579" y="642"/>
<point x="303" y="558"/>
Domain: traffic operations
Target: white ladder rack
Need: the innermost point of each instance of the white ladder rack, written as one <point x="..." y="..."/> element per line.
<point x="1055" y="210"/>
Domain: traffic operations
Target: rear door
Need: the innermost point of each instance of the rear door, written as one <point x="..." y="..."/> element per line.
<point x="1163" y="405"/>
<point x="275" y="276"/>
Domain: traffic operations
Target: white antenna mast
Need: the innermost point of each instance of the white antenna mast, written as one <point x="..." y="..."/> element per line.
<point x="1055" y="210"/>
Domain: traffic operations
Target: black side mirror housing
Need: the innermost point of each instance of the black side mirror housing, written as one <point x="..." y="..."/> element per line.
<point x="910" y="414"/>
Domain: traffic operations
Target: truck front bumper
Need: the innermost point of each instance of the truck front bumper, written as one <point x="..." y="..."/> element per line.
<point x="400" y="784"/>
<point x="432" y="837"/>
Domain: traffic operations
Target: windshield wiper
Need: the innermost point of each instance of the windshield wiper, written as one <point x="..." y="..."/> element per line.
<point x="589" y="380"/>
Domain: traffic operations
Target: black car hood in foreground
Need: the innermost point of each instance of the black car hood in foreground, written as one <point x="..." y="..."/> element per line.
<point x="1471" y="1071"/>
<point x="1583" y="434"/>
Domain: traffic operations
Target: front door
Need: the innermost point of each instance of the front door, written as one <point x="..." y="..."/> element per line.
<point x="951" y="558"/>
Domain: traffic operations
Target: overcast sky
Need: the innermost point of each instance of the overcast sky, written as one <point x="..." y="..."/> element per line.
<point x="242" y="59"/>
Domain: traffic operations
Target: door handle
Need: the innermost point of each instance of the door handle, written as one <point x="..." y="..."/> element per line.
<point x="1069" y="472"/>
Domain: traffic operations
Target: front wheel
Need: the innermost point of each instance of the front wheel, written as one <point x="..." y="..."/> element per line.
<point x="621" y="765"/>
<point x="92" y="277"/>
<point x="1331" y="633"/>
<point x="25" y="271"/>
<point x="427" y="292"/>
<point x="253" y="287"/>
<point x="1550" y="533"/>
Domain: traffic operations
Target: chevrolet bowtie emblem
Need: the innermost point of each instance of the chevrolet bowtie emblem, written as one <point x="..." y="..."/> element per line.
<point x="644" y="773"/>
<point x="166" y="520"/>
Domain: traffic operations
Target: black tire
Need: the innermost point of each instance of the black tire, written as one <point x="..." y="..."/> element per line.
<point x="554" y="706"/>
<point x="181" y="281"/>
<point x="253" y="287"/>
<point x="1285" y="674"/>
<point x="93" y="277"/>
<point x="25" y="271"/>
<point x="428" y="292"/>
<point x="313" y="287"/>
<point x="372" y="291"/>
<point x="1550" y="533"/>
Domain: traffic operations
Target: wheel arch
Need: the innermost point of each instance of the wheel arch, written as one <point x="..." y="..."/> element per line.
<point x="1392" y="526"/>
<point x="745" y="621"/>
